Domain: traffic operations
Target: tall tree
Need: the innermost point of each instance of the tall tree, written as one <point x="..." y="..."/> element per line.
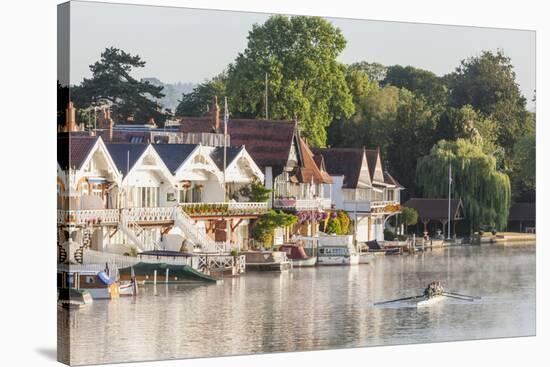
<point x="488" y="84"/>
<point x="484" y="190"/>
<point x="375" y="71"/>
<point x="524" y="168"/>
<point x="198" y="101"/>
<point x="305" y="80"/>
<point x="467" y="123"/>
<point x="421" y="82"/>
<point x="112" y="83"/>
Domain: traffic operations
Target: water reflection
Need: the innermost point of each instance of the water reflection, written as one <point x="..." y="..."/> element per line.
<point x="315" y="308"/>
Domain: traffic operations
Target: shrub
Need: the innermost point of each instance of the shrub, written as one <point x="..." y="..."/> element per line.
<point x="389" y="235"/>
<point x="344" y="222"/>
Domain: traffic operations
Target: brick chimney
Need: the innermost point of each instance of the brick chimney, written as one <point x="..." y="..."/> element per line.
<point x="215" y="114"/>
<point x="105" y="122"/>
<point x="70" y="119"/>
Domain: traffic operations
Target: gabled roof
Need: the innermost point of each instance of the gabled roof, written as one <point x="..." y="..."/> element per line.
<point x="173" y="155"/>
<point x="231" y="154"/>
<point x="72" y="150"/>
<point x="345" y="162"/>
<point x="309" y="171"/>
<point x="436" y="209"/>
<point x="390" y="180"/>
<point x="119" y="153"/>
<point x="267" y="141"/>
<point x="523" y="212"/>
<point x="372" y="157"/>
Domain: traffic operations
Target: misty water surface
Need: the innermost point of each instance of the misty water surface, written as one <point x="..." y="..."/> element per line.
<point x="315" y="308"/>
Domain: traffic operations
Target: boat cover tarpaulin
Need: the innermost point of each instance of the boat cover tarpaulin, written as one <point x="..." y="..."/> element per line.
<point x="294" y="252"/>
<point x="183" y="272"/>
<point x="374" y="245"/>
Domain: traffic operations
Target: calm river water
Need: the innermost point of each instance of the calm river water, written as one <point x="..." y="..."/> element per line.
<point x="314" y="308"/>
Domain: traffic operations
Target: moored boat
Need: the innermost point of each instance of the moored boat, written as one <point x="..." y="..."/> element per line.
<point x="297" y="255"/>
<point x="100" y="284"/>
<point x="267" y="260"/>
<point x="144" y="273"/>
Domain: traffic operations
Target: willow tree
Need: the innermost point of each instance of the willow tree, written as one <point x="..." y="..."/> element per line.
<point x="485" y="192"/>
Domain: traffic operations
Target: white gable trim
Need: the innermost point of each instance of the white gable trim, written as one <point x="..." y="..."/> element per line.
<point x="233" y="169"/>
<point x="184" y="171"/>
<point x="113" y="170"/>
<point x="378" y="176"/>
<point x="159" y="163"/>
<point x="364" y="174"/>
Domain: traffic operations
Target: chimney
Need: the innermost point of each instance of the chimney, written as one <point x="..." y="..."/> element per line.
<point x="215" y="114"/>
<point x="105" y="122"/>
<point x="70" y="119"/>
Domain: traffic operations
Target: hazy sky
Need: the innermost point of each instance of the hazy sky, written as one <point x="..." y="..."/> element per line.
<point x="190" y="45"/>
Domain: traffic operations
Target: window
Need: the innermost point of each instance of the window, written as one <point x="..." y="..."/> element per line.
<point x="147" y="197"/>
<point x="97" y="190"/>
<point x="84" y="188"/>
<point x="90" y="279"/>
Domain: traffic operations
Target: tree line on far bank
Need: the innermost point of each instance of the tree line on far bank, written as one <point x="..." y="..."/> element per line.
<point x="474" y="118"/>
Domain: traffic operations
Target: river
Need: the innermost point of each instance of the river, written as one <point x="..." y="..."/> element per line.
<point x="314" y="308"/>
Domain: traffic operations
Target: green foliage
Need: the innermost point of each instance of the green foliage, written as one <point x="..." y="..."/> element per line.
<point x="305" y="80"/>
<point x="409" y="216"/>
<point x="265" y="226"/>
<point x="485" y="191"/>
<point x="467" y="123"/>
<point x="198" y="101"/>
<point x="488" y="84"/>
<point x="524" y="166"/>
<point x="396" y="120"/>
<point x="389" y="235"/>
<point x="375" y="72"/>
<point x="256" y="192"/>
<point x="344" y="220"/>
<point x="421" y="82"/>
<point x="133" y="251"/>
<point x="112" y="83"/>
<point x="333" y="226"/>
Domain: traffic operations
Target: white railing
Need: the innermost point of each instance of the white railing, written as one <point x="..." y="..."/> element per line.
<point x="382" y="203"/>
<point x="88" y="216"/>
<point x="191" y="231"/>
<point x="96" y="257"/>
<point x="357" y="205"/>
<point x="222" y="262"/>
<point x="111" y="266"/>
<point x="199" y="262"/>
<point x="222" y="209"/>
<point x="303" y="204"/>
<point x="260" y="207"/>
<point x="162" y="214"/>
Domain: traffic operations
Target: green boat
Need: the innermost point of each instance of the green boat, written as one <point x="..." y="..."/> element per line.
<point x="144" y="273"/>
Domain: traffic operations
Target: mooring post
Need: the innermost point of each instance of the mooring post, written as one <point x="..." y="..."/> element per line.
<point x="167" y="271"/>
<point x="154" y="277"/>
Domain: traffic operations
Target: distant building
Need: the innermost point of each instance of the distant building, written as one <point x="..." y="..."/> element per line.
<point x="362" y="188"/>
<point x="436" y="211"/>
<point x="522" y="217"/>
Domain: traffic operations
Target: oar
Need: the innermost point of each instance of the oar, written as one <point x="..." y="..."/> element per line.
<point x="395" y="300"/>
<point x="463" y="295"/>
<point x="457" y="297"/>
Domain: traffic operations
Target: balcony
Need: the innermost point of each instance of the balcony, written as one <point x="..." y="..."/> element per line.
<point x="302" y="204"/>
<point x="359" y="206"/>
<point x="88" y="217"/>
<point x="224" y="209"/>
<point x="157" y="215"/>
